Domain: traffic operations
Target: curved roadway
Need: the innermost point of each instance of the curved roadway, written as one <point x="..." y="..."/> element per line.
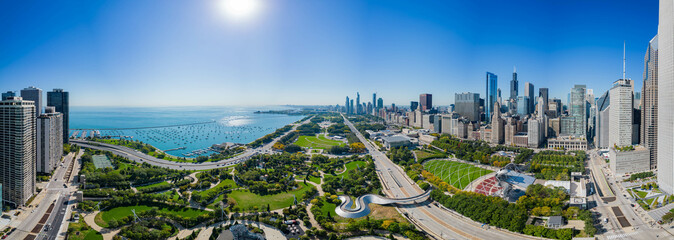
<point x="362" y="203"/>
<point x="140" y="157"/>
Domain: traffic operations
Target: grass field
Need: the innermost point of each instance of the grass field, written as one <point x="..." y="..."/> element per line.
<point x="455" y="173"/>
<point x="378" y="212"/>
<point x="245" y="199"/>
<point x="352" y="165"/>
<point x="641" y="194"/>
<point x="428" y="154"/>
<point x="152" y="185"/>
<point x="320" y="142"/>
<point x="104" y="217"/>
<point x="75" y="231"/>
<point x="224" y="184"/>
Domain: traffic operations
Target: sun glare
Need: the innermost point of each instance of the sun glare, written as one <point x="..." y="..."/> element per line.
<point x="240" y="9"/>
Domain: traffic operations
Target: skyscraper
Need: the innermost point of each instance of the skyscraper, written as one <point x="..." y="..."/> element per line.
<point x="33" y="94"/>
<point x="602" y="122"/>
<point x="497" y="125"/>
<point x="49" y="140"/>
<point x="529" y="92"/>
<point x="490" y="97"/>
<point x="8" y="94"/>
<point x="414" y="105"/>
<point x="468" y="105"/>
<point x="17" y="150"/>
<point x="523" y="105"/>
<point x="514" y="85"/>
<point x="577" y="110"/>
<point x="543" y="92"/>
<point x="358" y="106"/>
<point x="347" y="105"/>
<point x="620" y="114"/>
<point x="649" y="101"/>
<point x="59" y="99"/>
<point x="665" y="130"/>
<point x="374" y="104"/>
<point x="426" y="101"/>
<point x="380" y="103"/>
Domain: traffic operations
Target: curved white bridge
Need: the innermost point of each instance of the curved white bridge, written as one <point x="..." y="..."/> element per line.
<point x="362" y="203"/>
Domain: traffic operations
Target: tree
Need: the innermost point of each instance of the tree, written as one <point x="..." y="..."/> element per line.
<point x="278" y="146"/>
<point x="357" y="147"/>
<point x="292" y="148"/>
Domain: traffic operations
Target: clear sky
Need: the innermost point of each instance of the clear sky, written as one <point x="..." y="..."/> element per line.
<point x="178" y="52"/>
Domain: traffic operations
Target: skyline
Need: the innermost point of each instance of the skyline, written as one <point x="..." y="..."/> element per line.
<point x="394" y="48"/>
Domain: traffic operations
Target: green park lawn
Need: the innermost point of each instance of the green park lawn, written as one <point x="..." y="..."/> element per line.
<point x="641" y="194"/>
<point x="75" y="231"/>
<point x="224" y="184"/>
<point x="245" y="199"/>
<point x="456" y="174"/>
<point x="153" y="185"/>
<point x="352" y="165"/>
<point x="428" y="154"/>
<point x="316" y="180"/>
<point x="320" y="142"/>
<point x="104" y="217"/>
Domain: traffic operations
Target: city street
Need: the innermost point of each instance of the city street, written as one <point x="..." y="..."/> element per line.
<point x="624" y="220"/>
<point x="50" y="210"/>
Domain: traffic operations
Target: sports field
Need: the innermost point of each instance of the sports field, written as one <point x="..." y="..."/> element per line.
<point x="455" y="173"/>
<point x="317" y="142"/>
<point x="101" y="161"/>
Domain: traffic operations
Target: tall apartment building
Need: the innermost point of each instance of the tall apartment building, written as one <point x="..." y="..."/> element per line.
<point x="490" y="97"/>
<point x="49" y="140"/>
<point x="426" y="101"/>
<point x="59" y="99"/>
<point x="666" y="101"/>
<point x="649" y="102"/>
<point x="620" y="114"/>
<point x="33" y="94"/>
<point x="17" y="150"/>
<point x="468" y="105"/>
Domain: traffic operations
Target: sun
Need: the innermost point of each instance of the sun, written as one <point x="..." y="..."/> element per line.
<point x="240" y="9"/>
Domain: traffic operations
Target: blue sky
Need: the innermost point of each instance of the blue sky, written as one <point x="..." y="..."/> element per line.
<point x="176" y="52"/>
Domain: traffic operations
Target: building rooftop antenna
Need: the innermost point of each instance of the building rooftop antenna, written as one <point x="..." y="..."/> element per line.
<point x="623" y="59"/>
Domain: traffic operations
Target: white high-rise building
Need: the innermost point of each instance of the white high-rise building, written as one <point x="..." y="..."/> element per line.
<point x="621" y="114"/>
<point x="666" y="99"/>
<point x="49" y="140"/>
<point x="17" y="150"/>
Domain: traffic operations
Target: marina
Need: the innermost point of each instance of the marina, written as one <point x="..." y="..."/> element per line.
<point x="182" y="132"/>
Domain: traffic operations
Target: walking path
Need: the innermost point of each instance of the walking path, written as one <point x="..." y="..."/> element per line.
<point x="107" y="233"/>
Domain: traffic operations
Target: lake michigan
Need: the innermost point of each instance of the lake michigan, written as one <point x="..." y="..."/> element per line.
<point x="211" y="125"/>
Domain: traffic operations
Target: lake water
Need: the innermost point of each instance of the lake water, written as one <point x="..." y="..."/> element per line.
<point x="216" y="125"/>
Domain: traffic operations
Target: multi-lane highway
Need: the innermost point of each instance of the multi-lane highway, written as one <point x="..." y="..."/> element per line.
<point x="439" y="222"/>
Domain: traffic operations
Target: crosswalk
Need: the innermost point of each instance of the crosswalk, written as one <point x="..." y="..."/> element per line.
<point x="621" y="236"/>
